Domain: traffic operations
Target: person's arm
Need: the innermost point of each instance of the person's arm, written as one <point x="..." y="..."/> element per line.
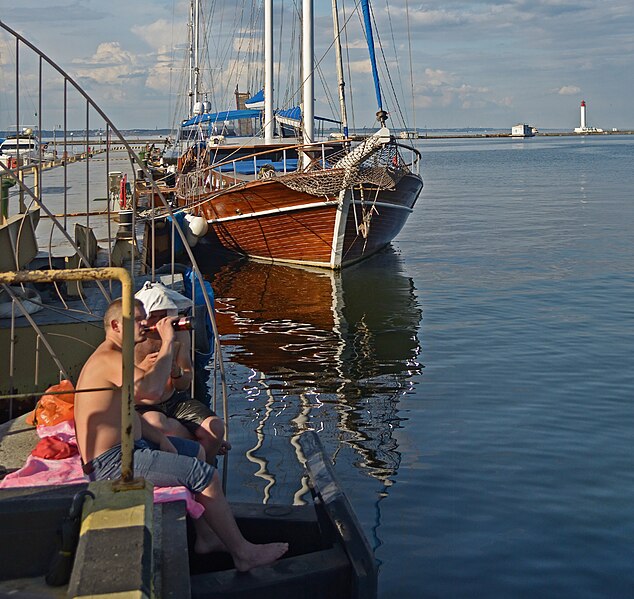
<point x="154" y="435"/>
<point x="182" y="369"/>
<point x="149" y="385"/>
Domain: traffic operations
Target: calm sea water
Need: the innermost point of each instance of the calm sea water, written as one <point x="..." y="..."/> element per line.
<point x="473" y="384"/>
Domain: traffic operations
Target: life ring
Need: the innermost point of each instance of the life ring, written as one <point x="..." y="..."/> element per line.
<point x="24" y="295"/>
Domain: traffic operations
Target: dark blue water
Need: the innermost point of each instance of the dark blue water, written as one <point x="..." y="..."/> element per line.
<point x="474" y="384"/>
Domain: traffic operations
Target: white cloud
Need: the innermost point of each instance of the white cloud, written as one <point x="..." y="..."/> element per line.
<point x="360" y="66"/>
<point x="568" y="90"/>
<point x="114" y="74"/>
<point x="155" y="34"/>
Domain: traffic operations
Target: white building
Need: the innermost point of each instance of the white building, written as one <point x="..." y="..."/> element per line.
<point x="522" y="130"/>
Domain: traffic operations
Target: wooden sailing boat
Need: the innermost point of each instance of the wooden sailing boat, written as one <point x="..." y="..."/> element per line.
<point x="328" y="205"/>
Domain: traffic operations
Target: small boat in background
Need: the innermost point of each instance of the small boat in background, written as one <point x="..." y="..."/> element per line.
<point x="21" y="148"/>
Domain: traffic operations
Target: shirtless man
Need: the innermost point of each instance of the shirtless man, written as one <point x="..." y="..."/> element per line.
<point x="176" y="413"/>
<point x="98" y="429"/>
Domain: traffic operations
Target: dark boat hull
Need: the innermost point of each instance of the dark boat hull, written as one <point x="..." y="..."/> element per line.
<point x="266" y="220"/>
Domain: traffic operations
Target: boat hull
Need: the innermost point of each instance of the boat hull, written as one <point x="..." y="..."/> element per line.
<point x="267" y="220"/>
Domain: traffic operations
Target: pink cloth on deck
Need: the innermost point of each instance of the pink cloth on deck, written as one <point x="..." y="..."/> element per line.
<point x="41" y="472"/>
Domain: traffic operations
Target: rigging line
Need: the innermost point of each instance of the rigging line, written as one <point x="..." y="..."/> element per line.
<point x="411" y="71"/>
<point x="171" y="63"/>
<point x="234" y="52"/>
<point x="292" y="70"/>
<point x="254" y="51"/>
<point x="399" y="110"/>
<point x="279" y="49"/>
<point x="350" y="85"/>
<point x="238" y="64"/>
<point x="317" y="63"/>
<point x="396" y="60"/>
<point x="329" y="98"/>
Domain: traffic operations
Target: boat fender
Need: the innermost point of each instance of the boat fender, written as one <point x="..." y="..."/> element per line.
<point x="196" y="228"/>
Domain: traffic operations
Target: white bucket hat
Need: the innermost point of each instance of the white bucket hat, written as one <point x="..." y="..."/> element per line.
<point x="156" y="297"/>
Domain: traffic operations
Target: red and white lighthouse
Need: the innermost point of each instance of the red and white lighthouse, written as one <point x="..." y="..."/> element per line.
<point x="584" y="124"/>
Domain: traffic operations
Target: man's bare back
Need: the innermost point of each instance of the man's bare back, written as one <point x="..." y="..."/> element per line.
<point x="98" y="413"/>
<point x="100" y="410"/>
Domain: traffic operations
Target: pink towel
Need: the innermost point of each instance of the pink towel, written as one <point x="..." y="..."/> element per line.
<point x="41" y="472"/>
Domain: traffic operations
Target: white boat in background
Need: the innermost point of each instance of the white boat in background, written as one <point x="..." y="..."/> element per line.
<point x="22" y="148"/>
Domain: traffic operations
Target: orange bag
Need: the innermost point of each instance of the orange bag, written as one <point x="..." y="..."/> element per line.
<point x="53" y="409"/>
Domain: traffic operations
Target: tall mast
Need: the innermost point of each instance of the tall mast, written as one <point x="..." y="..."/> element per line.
<point x="342" y="83"/>
<point x="268" y="71"/>
<point x="197" y="52"/>
<point x="307" y="71"/>
<point x="191" y="61"/>
<point x="411" y="68"/>
<point x="381" y="115"/>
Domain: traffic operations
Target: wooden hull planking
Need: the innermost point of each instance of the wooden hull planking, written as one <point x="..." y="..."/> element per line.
<point x="267" y="220"/>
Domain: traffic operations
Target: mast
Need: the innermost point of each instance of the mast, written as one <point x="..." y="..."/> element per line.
<point x="268" y="72"/>
<point x="381" y="115"/>
<point x="307" y="71"/>
<point x="342" y="83"/>
<point x="411" y="68"/>
<point x="197" y="52"/>
<point x="190" y="57"/>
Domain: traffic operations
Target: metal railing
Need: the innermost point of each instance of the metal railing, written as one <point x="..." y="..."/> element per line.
<point x="83" y="124"/>
<point x="220" y="176"/>
<point x="127" y="348"/>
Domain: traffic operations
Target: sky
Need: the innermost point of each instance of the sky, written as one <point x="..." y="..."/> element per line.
<point x="480" y="64"/>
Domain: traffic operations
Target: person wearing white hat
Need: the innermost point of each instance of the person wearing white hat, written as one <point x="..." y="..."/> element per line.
<point x="176" y="414"/>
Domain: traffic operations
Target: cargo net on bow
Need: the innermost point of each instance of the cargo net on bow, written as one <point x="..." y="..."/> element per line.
<point x="382" y="170"/>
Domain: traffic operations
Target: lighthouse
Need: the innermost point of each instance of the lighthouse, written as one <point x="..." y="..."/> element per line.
<point x="584" y="124"/>
<point x="583" y="128"/>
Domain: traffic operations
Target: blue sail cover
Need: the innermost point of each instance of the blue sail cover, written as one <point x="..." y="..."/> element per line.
<point x="365" y="7"/>
<point x="226" y="115"/>
<point x="295" y="114"/>
<point x="256" y="101"/>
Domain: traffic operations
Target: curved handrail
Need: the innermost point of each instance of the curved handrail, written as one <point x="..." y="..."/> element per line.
<point x="134" y="161"/>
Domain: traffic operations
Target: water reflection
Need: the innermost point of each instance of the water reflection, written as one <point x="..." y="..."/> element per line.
<point x="333" y="352"/>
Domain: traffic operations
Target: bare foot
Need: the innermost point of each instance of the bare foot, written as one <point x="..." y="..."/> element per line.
<point x="253" y="556"/>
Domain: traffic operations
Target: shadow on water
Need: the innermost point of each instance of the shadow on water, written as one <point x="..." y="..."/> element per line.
<point x="332" y="352"/>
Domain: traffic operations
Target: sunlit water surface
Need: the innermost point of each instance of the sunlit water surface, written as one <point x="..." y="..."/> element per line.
<point x="473" y="383"/>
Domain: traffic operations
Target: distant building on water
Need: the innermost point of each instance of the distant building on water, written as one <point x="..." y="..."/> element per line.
<point x="522" y="130"/>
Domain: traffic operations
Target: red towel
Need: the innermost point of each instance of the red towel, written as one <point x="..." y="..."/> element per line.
<point x="54" y="448"/>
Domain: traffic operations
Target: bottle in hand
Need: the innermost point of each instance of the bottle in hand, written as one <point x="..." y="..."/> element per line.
<point x="184" y="323"/>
